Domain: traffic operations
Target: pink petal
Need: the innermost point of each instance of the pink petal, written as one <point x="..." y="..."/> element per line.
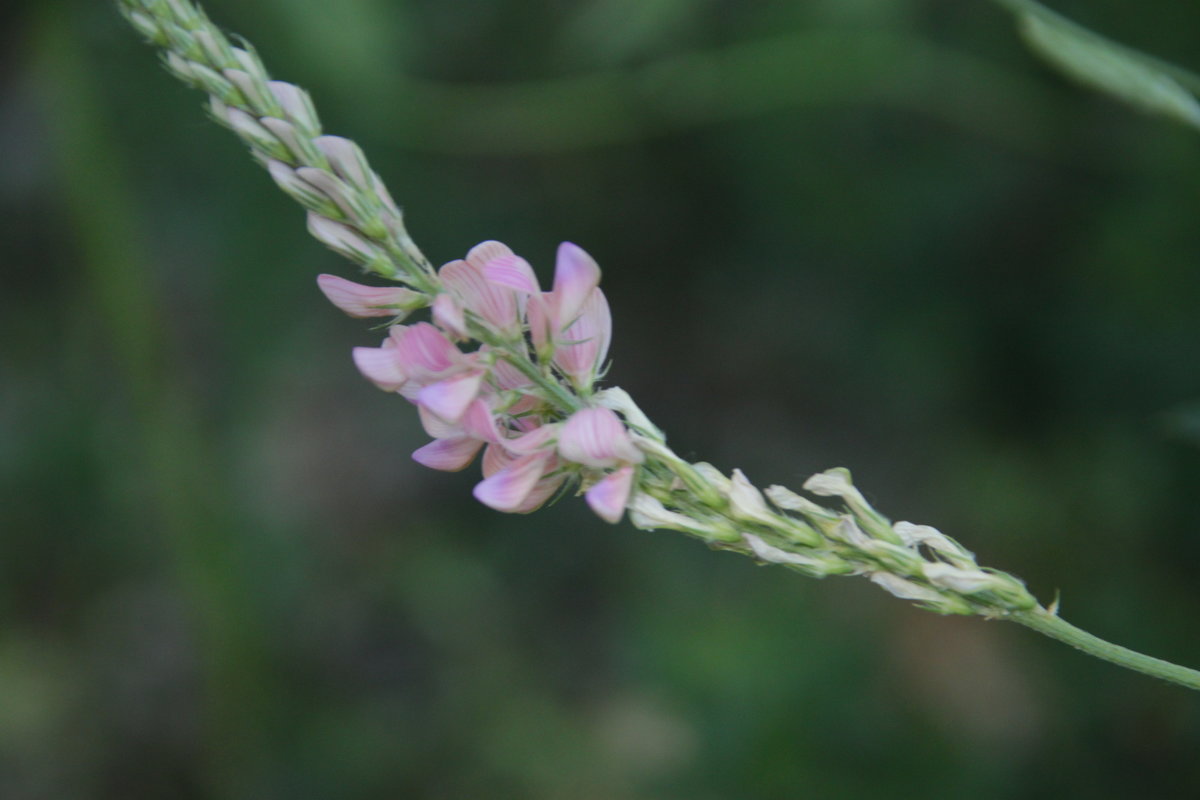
<point x="495" y="459"/>
<point x="534" y="440"/>
<point x="505" y="375"/>
<point x="595" y="437"/>
<point x="609" y="497"/>
<point x="495" y="304"/>
<point x="423" y="348"/>
<point x="542" y="491"/>
<point x="449" y="398"/>
<point x="576" y="274"/>
<point x="380" y="366"/>
<point x="583" y="346"/>
<point x="480" y="422"/>
<point x="513" y="272"/>
<point x="448" y="455"/>
<point x="510" y="487"/>
<point x="367" y="301"/>
<point x="448" y="315"/>
<point x="484" y="252"/>
<point x="437" y="427"/>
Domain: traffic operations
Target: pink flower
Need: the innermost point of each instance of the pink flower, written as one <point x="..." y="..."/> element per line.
<point x="583" y="345"/>
<point x="570" y="324"/>
<point x="419" y="362"/>
<point x="469" y="288"/>
<point x="369" y="301"/>
<point x="518" y="485"/>
<point x="596" y="437"/>
<point x="473" y="401"/>
<point x="610" y="495"/>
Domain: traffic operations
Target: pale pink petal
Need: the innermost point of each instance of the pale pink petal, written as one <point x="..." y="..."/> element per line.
<point x="448" y="315"/>
<point x="423" y="348"/>
<point x="495" y="458"/>
<point x="595" y="437"/>
<point x="521" y="415"/>
<point x="608" y="497"/>
<point x="542" y="491"/>
<point x="449" y="398"/>
<point x="508" y="489"/>
<point x="583" y="346"/>
<point x="437" y="427"/>
<point x="484" y="252"/>
<point x="505" y="375"/>
<point x="367" y="301"/>
<point x="480" y="422"/>
<point x="448" y="455"/>
<point x="576" y="274"/>
<point x="380" y="366"/>
<point x="541" y="318"/>
<point x="513" y="272"/>
<point x="495" y="304"/>
<point x="534" y="440"/>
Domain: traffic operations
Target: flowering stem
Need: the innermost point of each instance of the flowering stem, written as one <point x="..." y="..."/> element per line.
<point x="1042" y="621"/>
<point x="621" y="463"/>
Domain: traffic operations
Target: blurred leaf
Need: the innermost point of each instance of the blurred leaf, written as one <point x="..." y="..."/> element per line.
<point x="1131" y="76"/>
<point x="609" y="32"/>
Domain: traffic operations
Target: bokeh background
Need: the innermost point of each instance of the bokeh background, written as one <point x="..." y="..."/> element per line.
<point x="871" y="233"/>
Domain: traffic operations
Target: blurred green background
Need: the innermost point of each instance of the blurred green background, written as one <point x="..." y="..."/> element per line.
<point x="871" y="233"/>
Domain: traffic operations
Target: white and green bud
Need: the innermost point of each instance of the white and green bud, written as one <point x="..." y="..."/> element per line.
<point x="349" y="242"/>
<point x="619" y="400"/>
<point x="297" y="106"/>
<point x="963" y="581"/>
<point x="915" y="536"/>
<point x="648" y="513"/>
<point x="788" y="500"/>
<point x="816" y="563"/>
<point x="747" y="503"/>
<point x="837" y="483"/>
<point x="714" y="476"/>
<point x="300" y="190"/>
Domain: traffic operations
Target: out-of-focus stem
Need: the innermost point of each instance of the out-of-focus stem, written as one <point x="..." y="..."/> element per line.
<point x="1055" y="627"/>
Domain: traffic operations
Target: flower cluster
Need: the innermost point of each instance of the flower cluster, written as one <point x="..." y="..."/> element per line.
<point x="506" y="396"/>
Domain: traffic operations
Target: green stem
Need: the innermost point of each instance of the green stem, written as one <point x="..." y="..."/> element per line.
<point x="1046" y="623"/>
<point x="567" y="402"/>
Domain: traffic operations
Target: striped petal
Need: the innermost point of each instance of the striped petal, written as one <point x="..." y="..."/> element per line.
<point x="576" y="274"/>
<point x="449" y="398"/>
<point x="595" y="437"/>
<point x="609" y="497"/>
<point x="484" y="252"/>
<point x="542" y="491"/>
<point x="496" y="304"/>
<point x="437" y="427"/>
<point x="495" y="459"/>
<point x="448" y="315"/>
<point x="583" y="346"/>
<point x="509" y="488"/>
<point x="513" y="272"/>
<point x="423" y="348"/>
<point x="480" y="422"/>
<point x="534" y="440"/>
<point x="381" y="367"/>
<point x="448" y="455"/>
<point x="368" y="301"/>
